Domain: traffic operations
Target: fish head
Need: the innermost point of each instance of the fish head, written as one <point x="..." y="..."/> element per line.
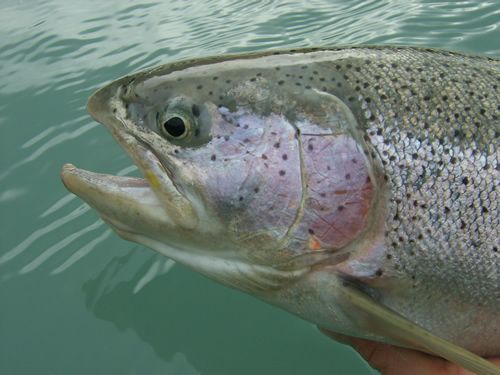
<point x="245" y="181"/>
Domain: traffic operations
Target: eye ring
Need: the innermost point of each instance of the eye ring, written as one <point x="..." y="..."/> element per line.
<point x="175" y="126"/>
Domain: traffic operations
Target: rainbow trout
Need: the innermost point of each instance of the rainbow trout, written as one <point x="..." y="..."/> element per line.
<point x="353" y="187"/>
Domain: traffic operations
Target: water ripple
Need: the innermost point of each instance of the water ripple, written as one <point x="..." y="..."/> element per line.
<point x="38" y="233"/>
<point x="158" y="268"/>
<point x="46" y="254"/>
<point x="214" y="26"/>
<point x="82" y="252"/>
<point x="53" y="142"/>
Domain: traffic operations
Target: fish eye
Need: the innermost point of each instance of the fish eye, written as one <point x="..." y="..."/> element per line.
<point x="175" y="126"/>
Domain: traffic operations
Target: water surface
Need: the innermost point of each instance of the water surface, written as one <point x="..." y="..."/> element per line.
<point x="76" y="299"/>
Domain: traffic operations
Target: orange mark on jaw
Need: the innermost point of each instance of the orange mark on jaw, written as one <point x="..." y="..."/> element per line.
<point x="314" y="243"/>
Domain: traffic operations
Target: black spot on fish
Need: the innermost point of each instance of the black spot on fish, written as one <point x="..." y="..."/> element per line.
<point x="196" y="110"/>
<point x="463" y="225"/>
<point x="340" y="208"/>
<point x="264" y="156"/>
<point x="213" y="157"/>
<point x="465" y="180"/>
<point x="256" y="190"/>
<point x="284" y="156"/>
<point x="240" y="198"/>
<point x="348" y="176"/>
<point x="281" y="82"/>
<point x="196" y="132"/>
<point x="277" y="145"/>
<point x="311" y="231"/>
<point x="215" y="78"/>
<point x="199" y="87"/>
<point x="282" y="172"/>
<point x="379" y="272"/>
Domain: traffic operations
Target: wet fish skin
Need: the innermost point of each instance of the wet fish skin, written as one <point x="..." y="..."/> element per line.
<point x="426" y="123"/>
<point x="432" y="119"/>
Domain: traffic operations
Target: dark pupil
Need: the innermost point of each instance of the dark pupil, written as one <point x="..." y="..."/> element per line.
<point x="175" y="127"/>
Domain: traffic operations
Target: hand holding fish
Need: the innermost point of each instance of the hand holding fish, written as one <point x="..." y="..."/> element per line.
<point x="393" y="360"/>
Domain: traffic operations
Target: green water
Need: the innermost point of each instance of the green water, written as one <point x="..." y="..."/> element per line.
<point x="74" y="298"/>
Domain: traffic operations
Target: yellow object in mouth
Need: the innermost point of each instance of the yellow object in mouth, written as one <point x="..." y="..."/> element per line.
<point x="152" y="179"/>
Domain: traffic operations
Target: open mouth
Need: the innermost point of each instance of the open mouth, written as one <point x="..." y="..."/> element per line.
<point x="108" y="193"/>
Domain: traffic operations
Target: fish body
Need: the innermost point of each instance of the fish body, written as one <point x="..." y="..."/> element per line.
<point x="293" y="174"/>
